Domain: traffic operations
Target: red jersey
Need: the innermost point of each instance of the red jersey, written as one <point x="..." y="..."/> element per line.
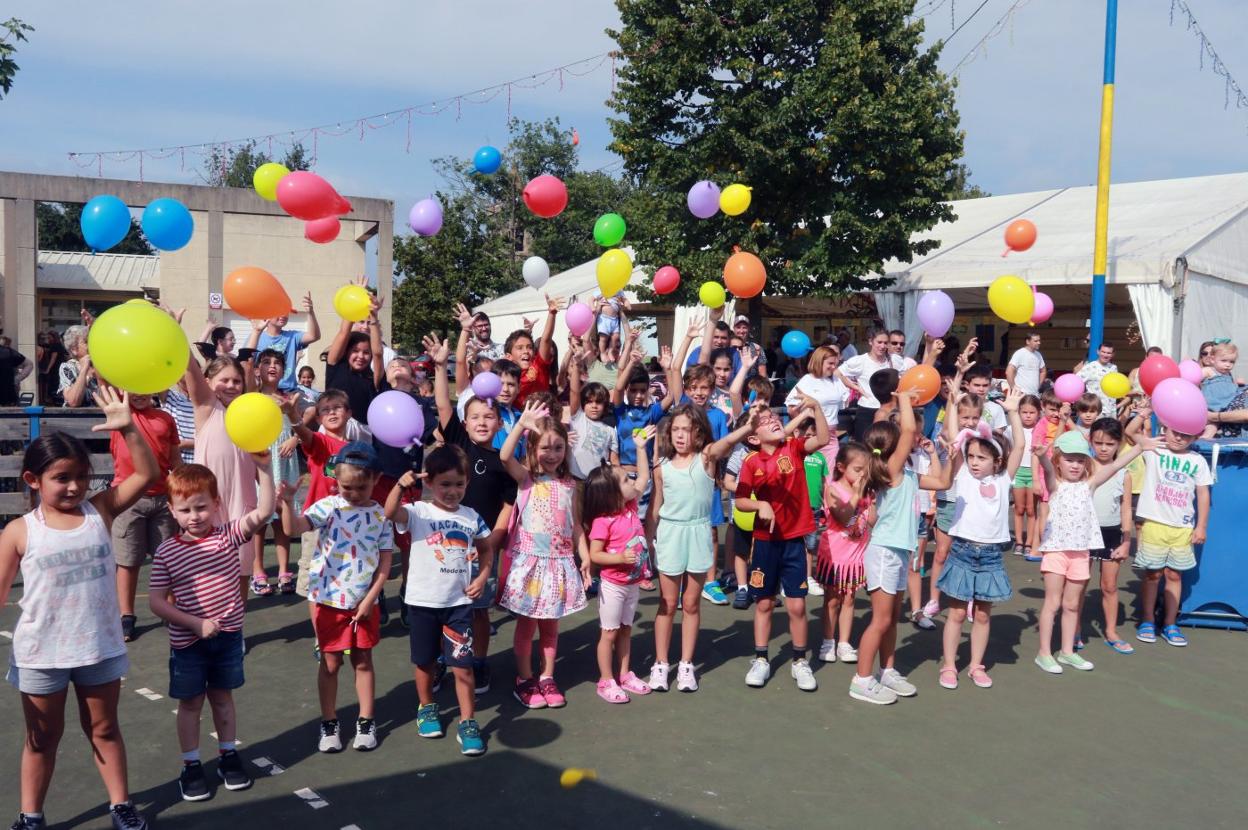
<point x="536" y="378"/>
<point x="160" y="432"/>
<point x="202" y="575"/>
<point x="323" y="448"/>
<point x="780" y="480"/>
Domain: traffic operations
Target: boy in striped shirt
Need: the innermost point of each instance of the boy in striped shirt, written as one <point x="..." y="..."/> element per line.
<point x="194" y="587"/>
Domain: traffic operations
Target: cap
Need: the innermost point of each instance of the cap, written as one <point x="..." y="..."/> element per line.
<point x="1073" y="443"/>
<point x="740" y="318"/>
<point x="358" y="454"/>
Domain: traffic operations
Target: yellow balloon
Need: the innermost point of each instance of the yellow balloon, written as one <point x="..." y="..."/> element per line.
<point x="353" y="303"/>
<point x="265" y="180"/>
<point x="712" y="294"/>
<point x="734" y="199"/>
<point x="614" y="271"/>
<point x="745" y="521"/>
<point x="253" y="422"/>
<point x="1011" y="299"/>
<point x="1116" y="385"/>
<point x="572" y="776"/>
<point x="139" y="348"/>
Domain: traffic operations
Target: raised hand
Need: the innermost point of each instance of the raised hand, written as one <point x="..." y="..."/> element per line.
<point x="1012" y="400"/>
<point x="533" y="412"/>
<point x="438" y="350"/>
<point x="409" y="479"/>
<point x="696" y="325"/>
<point x="553" y="304"/>
<point x="665" y="357"/>
<point x="464" y="316"/>
<point x="116" y="409"/>
<point x="286" y="491"/>
<point x="306" y="303"/>
<point x="749" y="357"/>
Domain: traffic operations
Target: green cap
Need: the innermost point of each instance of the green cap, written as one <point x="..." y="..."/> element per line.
<point x="1073" y="443"/>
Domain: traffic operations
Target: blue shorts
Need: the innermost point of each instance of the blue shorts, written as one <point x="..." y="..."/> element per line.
<point x="440" y="631"/>
<point x="51" y="681"/>
<point x="215" y="663"/>
<point x="925" y="527"/>
<point x="608" y="326"/>
<point x="778" y="564"/>
<point x="946" y="511"/>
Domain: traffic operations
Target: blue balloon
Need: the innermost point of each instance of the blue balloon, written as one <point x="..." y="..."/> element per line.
<point x="167" y="224"/>
<point x="487" y="160"/>
<point x="105" y="222"/>
<point x="795" y="344"/>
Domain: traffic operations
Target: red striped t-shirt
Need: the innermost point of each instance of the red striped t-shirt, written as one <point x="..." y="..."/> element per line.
<point x="202" y="575"/>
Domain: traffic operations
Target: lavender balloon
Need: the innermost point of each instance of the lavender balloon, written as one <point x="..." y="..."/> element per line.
<point x="703" y="199"/>
<point x="396" y="419"/>
<point x="935" y="313"/>
<point x="487" y="386"/>
<point x="425" y="217"/>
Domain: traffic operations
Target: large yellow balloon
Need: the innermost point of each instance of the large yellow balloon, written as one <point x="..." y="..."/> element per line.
<point x="253" y="422"/>
<point x="614" y="271"/>
<point x="1011" y="299"/>
<point x="712" y="294"/>
<point x="353" y="303"/>
<point x="265" y="180"/>
<point x="1116" y="385"/>
<point x="735" y="199"/>
<point x="745" y="521"/>
<point x="139" y="348"/>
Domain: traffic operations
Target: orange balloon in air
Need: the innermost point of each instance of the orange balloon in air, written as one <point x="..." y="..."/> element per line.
<point x="1020" y="235"/>
<point x="922" y="379"/>
<point x="256" y="294"/>
<point x="744" y="274"/>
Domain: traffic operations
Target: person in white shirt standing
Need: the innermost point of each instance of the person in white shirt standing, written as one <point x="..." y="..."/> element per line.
<point x="1027" y="370"/>
<point x="856" y="374"/>
<point x="1092" y="373"/>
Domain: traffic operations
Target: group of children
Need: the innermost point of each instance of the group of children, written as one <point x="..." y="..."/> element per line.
<point x="532" y="507"/>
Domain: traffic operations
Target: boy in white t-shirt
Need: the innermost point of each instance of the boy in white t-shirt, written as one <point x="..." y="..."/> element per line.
<point x="595" y="441"/>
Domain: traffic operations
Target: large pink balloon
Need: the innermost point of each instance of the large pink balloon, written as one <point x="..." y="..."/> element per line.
<point x="1189" y="370"/>
<point x="935" y="313"/>
<point x="1180" y="406"/>
<point x="545" y="195"/>
<point x="579" y="318"/>
<point x="307" y="196"/>
<point x="1068" y="388"/>
<point x="1044" y="308"/>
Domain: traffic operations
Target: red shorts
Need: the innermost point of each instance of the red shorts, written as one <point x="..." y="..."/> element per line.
<point x="334" y="631"/>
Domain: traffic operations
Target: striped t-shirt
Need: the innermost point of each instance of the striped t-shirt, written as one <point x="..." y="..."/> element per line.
<point x="202" y="575"/>
<point x="183" y="412"/>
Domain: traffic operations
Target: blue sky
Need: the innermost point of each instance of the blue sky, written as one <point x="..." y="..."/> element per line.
<point x="161" y="74"/>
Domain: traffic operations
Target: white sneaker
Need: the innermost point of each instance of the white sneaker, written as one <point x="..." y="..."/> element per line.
<point x="686" y="679"/>
<point x="870" y="690"/>
<point x="896" y="681"/>
<point x="759" y="671"/>
<point x="922" y="620"/>
<point x="827" y="652"/>
<point x="814" y="588"/>
<point x="800" y="671"/>
<point x="658" y="677"/>
<point x="846" y="653"/>
<point x="365" y="735"/>
<point x="330" y="740"/>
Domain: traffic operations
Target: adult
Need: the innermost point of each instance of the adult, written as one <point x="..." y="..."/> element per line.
<point x="481" y="344"/>
<point x="848" y="352"/>
<point x="897" y="345"/>
<point x="820" y="382"/>
<point x="1027" y="371"/>
<point x="1092" y="372"/>
<point x="216" y="340"/>
<point x="14" y="368"/>
<point x="273" y="334"/>
<point x="856" y="374"/>
<point x="78" y="381"/>
<point x="49" y="356"/>
<point x="717" y="336"/>
<point x="741" y="328"/>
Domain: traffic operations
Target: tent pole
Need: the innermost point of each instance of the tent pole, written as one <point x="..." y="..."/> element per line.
<point x="1099" y="256"/>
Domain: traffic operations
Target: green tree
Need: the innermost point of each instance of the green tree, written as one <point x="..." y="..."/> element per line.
<point x="12" y="31"/>
<point x="960" y="186"/>
<point x="60" y="229"/>
<point x="233" y="166"/>
<point x="830" y="109"/>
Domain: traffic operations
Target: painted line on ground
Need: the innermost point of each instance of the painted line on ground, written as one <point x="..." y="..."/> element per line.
<point x="8" y="635"/>
<point x="311" y="798"/>
<point x="149" y="694"/>
<point x="268" y="765"/>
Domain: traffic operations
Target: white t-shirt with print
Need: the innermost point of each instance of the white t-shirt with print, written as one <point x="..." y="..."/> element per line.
<point x="348" y="550"/>
<point x="443" y="550"/>
<point x="595" y="441"/>
<point x="994" y="415"/>
<point x="981" y="507"/>
<point x="1170" y="482"/>
<point x="1027" y="365"/>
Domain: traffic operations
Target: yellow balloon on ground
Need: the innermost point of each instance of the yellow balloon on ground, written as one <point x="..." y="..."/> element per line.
<point x="253" y="422"/>
<point x="572" y="776"/>
<point x="614" y="270"/>
<point x="1011" y="299"/>
<point x="1116" y="385"/>
<point x="712" y="294"/>
<point x="735" y="199"/>
<point x="139" y="348"/>
<point x="265" y="180"/>
<point x="353" y="303"/>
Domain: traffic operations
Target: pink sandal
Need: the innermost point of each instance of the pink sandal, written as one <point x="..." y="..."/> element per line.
<point x="949" y="678"/>
<point x="979" y="676"/>
<point x="633" y="684"/>
<point x="611" y="692"/>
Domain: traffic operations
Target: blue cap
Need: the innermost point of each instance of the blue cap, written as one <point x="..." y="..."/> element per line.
<point x="358" y="454"/>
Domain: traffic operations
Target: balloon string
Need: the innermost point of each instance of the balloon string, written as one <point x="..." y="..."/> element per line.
<point x="1006" y="252"/>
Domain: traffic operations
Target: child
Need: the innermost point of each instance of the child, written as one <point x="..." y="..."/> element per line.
<point x="69" y="628"/>
<point x="1113" y="513"/>
<point x="307" y="377"/>
<point x="978" y="381"/>
<point x="447" y="537"/>
<point x="272" y="334"/>
<point x="192" y="587"/>
<point x="1086" y="410"/>
<point x="1070" y="532"/>
<point x="596" y="441"/>
<point x="1043" y="436"/>
<point x="1222" y="391"/>
<point x="608" y="322"/>
<point x="816" y="468"/>
<point x="772" y="484"/>
<point x="636" y="409"/>
<point x="921" y="463"/>
<point x="982" y="469"/>
<point x="319" y="446"/>
<point x="617" y="544"/>
<point x="699" y="383"/>
<point x="678" y="527"/>
<point x="968" y="409"/>
<point x="892" y="542"/>
<point x="270" y="369"/>
<point x="1024" y="495"/>
<point x="349" y="566"/>
<point x="541" y="580"/>
<point x="534" y="363"/>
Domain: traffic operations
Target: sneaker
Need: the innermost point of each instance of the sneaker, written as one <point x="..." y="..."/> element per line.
<point x="469" y="736"/>
<point x="931" y="609"/>
<point x="846" y="653"/>
<point x="192" y="782"/>
<point x="428" y="725"/>
<point x="922" y="621"/>
<point x="1018" y="550"/>
<point x="365" y="735"/>
<point x="1075" y="661"/>
<point x="25" y="822"/>
<point x="800" y="671"/>
<point x="870" y="690"/>
<point x="128" y="622"/>
<point x="480" y="677"/>
<point x="634" y="685"/>
<point x="439" y="674"/>
<point x="712" y="593"/>
<point x="554" y="698"/>
<point x="1048" y="664"/>
<point x="230" y="771"/>
<point x="686" y="678"/>
<point x="527" y="693"/>
<point x="827" y="652"/>
<point x="125" y="817"/>
<point x="658" y="677"/>
<point x="330" y="741"/>
<point x="814" y="588"/>
<point x="897" y="682"/>
<point x="741" y="599"/>
<point x="760" y="670"/>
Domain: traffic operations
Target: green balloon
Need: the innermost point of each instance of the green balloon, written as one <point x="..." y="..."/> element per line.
<point x="609" y="229"/>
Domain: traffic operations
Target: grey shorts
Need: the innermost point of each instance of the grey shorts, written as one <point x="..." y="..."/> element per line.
<point x="139" y="530"/>
<point x="51" y="681"/>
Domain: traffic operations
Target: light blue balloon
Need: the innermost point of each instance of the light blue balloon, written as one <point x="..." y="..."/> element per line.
<point x="795" y="344"/>
<point x="105" y="222"/>
<point x="167" y="224"/>
<point x="487" y="160"/>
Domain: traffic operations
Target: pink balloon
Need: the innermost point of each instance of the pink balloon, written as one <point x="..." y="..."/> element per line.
<point x="666" y="280"/>
<point x="1068" y="388"/>
<point x="545" y="195"/>
<point x="1180" y="406"/>
<point x="935" y="313"/>
<point x="703" y="199"/>
<point x="1044" y="308"/>
<point x="579" y="318"/>
<point x="307" y="196"/>
<point x="1189" y="370"/>
<point x="322" y="231"/>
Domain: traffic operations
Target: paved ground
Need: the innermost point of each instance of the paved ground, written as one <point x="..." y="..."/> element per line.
<point x="1157" y="739"/>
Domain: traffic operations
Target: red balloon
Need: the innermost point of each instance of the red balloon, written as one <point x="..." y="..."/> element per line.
<point x="1155" y="369"/>
<point x="322" y="231"/>
<point x="666" y="280"/>
<point x="307" y="196"/>
<point x="256" y="294"/>
<point x="545" y="195"/>
<point x="1020" y="235"/>
<point x="744" y="274"/>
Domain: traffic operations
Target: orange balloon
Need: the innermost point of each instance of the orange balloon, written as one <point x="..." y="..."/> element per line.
<point x="744" y="274"/>
<point x="256" y="294"/>
<point x="922" y="379"/>
<point x="1020" y="235"/>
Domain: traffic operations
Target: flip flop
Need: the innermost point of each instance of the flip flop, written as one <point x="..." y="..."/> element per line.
<point x="1121" y="646"/>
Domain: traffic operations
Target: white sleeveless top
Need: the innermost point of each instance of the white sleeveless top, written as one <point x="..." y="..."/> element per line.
<point x="69" y="613"/>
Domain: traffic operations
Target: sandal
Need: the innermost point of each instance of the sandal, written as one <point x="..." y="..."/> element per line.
<point x="633" y="684"/>
<point x="260" y="586"/>
<point x="949" y="677"/>
<point x="286" y="582"/>
<point x="611" y="692"/>
<point x="1121" y="646"/>
<point x="1173" y="636"/>
<point x="1027" y="556"/>
<point x="1146" y="633"/>
<point x="979" y="676"/>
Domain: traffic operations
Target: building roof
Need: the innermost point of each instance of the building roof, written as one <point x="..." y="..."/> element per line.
<point x="97" y="272"/>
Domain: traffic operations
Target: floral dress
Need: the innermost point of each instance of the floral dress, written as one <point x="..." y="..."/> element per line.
<point x="542" y="579"/>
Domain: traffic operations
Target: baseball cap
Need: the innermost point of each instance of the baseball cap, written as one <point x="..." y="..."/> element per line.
<point x="1073" y="443"/>
<point x="740" y="318"/>
<point x="358" y="454"/>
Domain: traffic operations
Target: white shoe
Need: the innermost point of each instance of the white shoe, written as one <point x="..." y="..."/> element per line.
<point x="759" y="671"/>
<point x="870" y="690"/>
<point x="922" y="621"/>
<point x="846" y="653"/>
<point x="658" y="677"/>
<point x="686" y="679"/>
<point x="827" y="652"/>
<point x="814" y="588"/>
<point x="896" y="681"/>
<point x="800" y="671"/>
<point x="330" y="740"/>
<point x="365" y="736"/>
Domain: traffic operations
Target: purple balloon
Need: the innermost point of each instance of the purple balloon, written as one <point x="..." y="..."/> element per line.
<point x="935" y="313"/>
<point x="487" y="386"/>
<point x="395" y="419"/>
<point x="703" y="199"/>
<point x="1180" y="406"/>
<point x="425" y="217"/>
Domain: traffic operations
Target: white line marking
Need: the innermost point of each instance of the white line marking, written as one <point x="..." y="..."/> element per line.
<point x="352" y="827"/>
<point x="148" y="693"/>
<point x="269" y="766"/>
<point x="8" y="635"/>
<point x="312" y="798"/>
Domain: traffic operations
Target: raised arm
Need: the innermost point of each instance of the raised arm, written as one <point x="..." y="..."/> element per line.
<point x="821" y="436"/>
<point x="293" y="522"/>
<point x="1017" y="431"/>
<point x="722" y="447"/>
<point x="546" y="346"/>
<point x="462" y="370"/>
<point x="437" y="349"/>
<point x="748" y="360"/>
<point x="932" y="348"/>
<point x="253" y="339"/>
<point x="682" y="354"/>
<point x="394" y="499"/>
<point x="533" y="411"/>
<point x="908" y="426"/>
<point x="675" y="377"/>
<point x="1040" y="460"/>
<point x="375" y="345"/>
<point x="708" y="332"/>
<point x="116" y="409"/>
<point x="1105" y="472"/>
<point x="312" y="332"/>
<point x="621" y="376"/>
<point x="575" y="366"/>
<point x="266" y="496"/>
<point x="636" y="488"/>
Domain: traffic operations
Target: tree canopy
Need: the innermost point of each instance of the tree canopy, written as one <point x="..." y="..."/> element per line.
<point x="60" y="230"/>
<point x="12" y="31"/>
<point x="233" y="166"/>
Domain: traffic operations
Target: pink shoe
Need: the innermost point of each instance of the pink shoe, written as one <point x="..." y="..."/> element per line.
<point x="527" y="693"/>
<point x="611" y="692"/>
<point x="980" y="677"/>
<point x="554" y="698"/>
<point x="633" y="684"/>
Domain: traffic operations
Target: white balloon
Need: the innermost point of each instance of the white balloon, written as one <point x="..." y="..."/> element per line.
<point x="536" y="271"/>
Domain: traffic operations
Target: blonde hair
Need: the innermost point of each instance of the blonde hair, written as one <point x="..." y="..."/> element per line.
<point x="1058" y="455"/>
<point x="1223" y="347"/>
<point x="815" y="365"/>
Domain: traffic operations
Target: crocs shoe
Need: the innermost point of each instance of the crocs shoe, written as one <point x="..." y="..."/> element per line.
<point x="1146" y="632"/>
<point x="1173" y="636"/>
<point x="634" y="685"/>
<point x="611" y="692"/>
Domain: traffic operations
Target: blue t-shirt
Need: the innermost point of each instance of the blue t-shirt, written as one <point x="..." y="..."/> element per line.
<point x="288" y="343"/>
<point x="507" y="416"/>
<point x="697" y="353"/>
<point x="629" y="418"/>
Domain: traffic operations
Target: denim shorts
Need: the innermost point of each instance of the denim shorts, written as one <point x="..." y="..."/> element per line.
<point x="925" y="526"/>
<point x="51" y="681"/>
<point x="215" y="663"/>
